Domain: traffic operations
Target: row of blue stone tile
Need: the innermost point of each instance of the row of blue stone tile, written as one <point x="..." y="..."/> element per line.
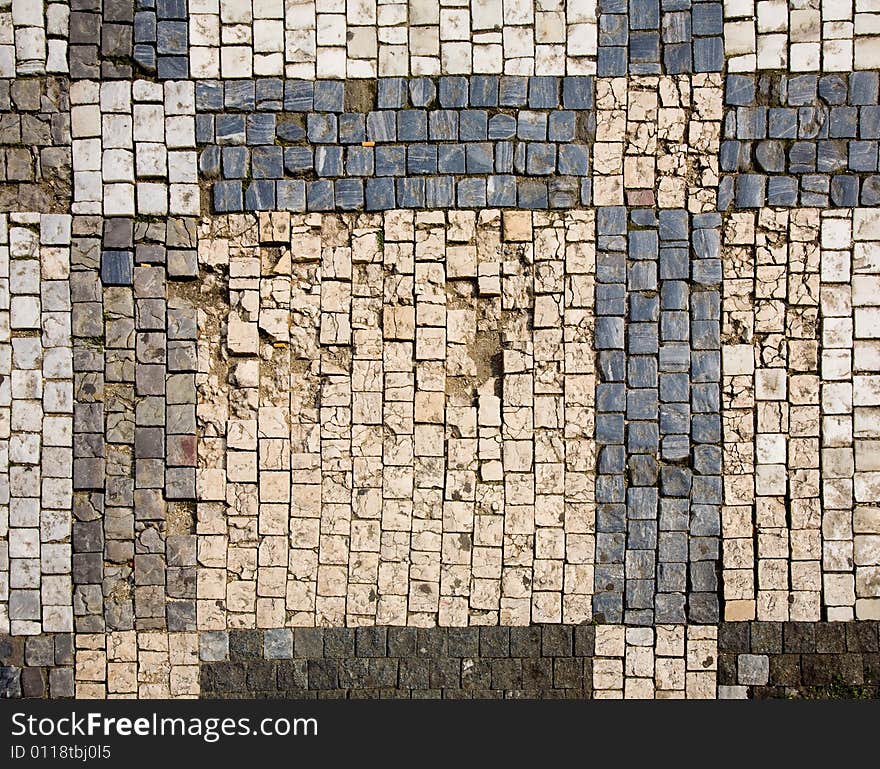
<point x="813" y="122"/>
<point x="275" y="162"/>
<point x="393" y="93"/>
<point x="801" y="157"/>
<point x="383" y="193"/>
<point x="838" y="88"/>
<point x="815" y="190"/>
<point x="409" y="125"/>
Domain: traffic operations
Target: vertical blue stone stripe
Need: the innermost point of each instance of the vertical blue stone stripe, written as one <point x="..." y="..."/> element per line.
<point x="706" y="440"/>
<point x="611" y="517"/>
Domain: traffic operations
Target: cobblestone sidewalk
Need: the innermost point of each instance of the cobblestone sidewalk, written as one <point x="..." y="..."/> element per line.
<point x="439" y="348"/>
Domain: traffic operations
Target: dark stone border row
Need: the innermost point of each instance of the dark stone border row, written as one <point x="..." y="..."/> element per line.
<point x="757" y="660"/>
<point x="799" y="660"/>
<point x="543" y="662"/>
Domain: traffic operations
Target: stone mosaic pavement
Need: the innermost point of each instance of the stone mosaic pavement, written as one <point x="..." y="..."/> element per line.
<point x="439" y="348"/>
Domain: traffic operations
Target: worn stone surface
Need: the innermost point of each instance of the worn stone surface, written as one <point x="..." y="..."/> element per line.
<point x="439" y="349"/>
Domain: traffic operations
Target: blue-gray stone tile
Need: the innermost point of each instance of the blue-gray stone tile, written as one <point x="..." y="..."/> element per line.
<point x="843" y="122"/>
<point x="240" y="94"/>
<point x="349" y="194"/>
<point x="870" y="195"/>
<point x="812" y="123"/>
<point x="532" y="126"/>
<point x="833" y="89"/>
<point x="145" y="27"/>
<point x="411" y="193"/>
<point x="328" y="161"/>
<point x="451" y="159"/>
<point x="707" y="19"/>
<point x="613" y="30"/>
<point x="501" y="191"/>
<point x="299" y="95"/>
<point x="484" y="91"/>
<point x="269" y="94"/>
<point x="209" y="95"/>
<point x="359" y="162"/>
<point x="471" y="193"/>
<point x="561" y="126"/>
<point x="422" y="92"/>
<point x="322" y="128"/>
<point x="260" y="195"/>
<point x="676" y="27"/>
<point x="502" y="127"/>
<point x="644" y="14"/>
<point x="379" y="194"/>
<point x="708" y="54"/>
<point x="443" y="125"/>
<point x="802" y="89"/>
<point x="783" y="123"/>
<point x="391" y="160"/>
<point x="117" y="268"/>
<point x="769" y="155"/>
<point x="644" y="48"/>
<point x="802" y="157"/>
<point x="644" y="308"/>
<point x="677" y="58"/>
<point x="329" y="96"/>
<point x="532" y="194"/>
<point x="261" y="128"/>
<point x="391" y="93"/>
<point x="298" y="159"/>
<point x="204" y="129"/>
<point x="421" y="158"/>
<point x="290" y="127"/>
<point x="228" y="196"/>
<point x="479" y="158"/>
<point x="831" y="156"/>
<point x="750" y="190"/>
<point x="863" y="87"/>
<point x="782" y="191"/>
<point x="453" y="92"/>
<point x="230" y="129"/>
<point x="473" y="125"/>
<point x="844" y="191"/>
<point x="381" y="126"/>
<point x="543" y="92"/>
<point x="412" y="125"/>
<point x="172" y="67"/>
<point x="612" y="61"/>
<point x="562" y="192"/>
<point x="513" y="91"/>
<point x="172" y="38"/>
<point x="291" y="195"/>
<point x="235" y="162"/>
<point x="319" y="195"/>
<point x="541" y="158"/>
<point x="577" y="92"/>
<point x="439" y="192"/>
<point x="209" y="162"/>
<point x="267" y="162"/>
<point x="352" y="127"/>
<point x="171" y="9"/>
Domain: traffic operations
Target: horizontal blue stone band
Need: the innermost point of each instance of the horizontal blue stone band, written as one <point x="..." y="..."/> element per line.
<point x="470" y="142"/>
